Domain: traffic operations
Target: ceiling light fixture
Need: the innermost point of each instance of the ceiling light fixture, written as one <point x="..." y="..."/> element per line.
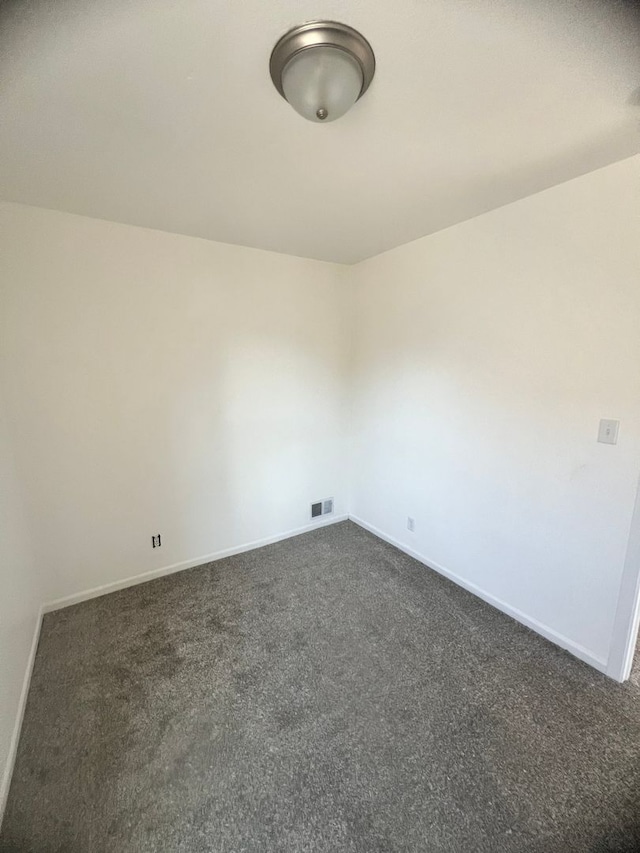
<point x="321" y="68"/>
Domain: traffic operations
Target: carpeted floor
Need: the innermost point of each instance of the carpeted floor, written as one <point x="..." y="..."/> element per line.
<point x="635" y="670"/>
<point x="326" y="693"/>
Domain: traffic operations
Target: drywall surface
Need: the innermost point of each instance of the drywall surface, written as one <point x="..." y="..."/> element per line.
<point x="485" y="356"/>
<point x="19" y="601"/>
<point x="165" y="384"/>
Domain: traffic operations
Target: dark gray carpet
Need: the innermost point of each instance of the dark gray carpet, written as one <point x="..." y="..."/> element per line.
<point x="635" y="669"/>
<point x="328" y="694"/>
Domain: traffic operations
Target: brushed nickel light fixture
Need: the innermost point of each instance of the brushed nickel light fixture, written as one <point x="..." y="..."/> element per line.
<point x="321" y="68"/>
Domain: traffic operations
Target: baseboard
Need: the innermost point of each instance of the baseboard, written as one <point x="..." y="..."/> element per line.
<point x="558" y="639"/>
<point x="22" y="704"/>
<point x="133" y="580"/>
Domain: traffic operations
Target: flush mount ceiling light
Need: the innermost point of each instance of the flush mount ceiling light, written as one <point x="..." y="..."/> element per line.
<point x="322" y="68"/>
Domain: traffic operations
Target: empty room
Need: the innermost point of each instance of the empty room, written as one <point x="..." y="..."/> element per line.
<point x="319" y="426"/>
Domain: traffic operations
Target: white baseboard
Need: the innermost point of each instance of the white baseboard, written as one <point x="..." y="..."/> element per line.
<point x="133" y="580"/>
<point x="22" y="704"/>
<point x="575" y="649"/>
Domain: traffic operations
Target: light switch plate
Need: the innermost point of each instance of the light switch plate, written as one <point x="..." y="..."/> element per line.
<point x="608" y="432"/>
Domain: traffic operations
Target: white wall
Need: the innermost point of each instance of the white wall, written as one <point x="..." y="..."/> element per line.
<point x="19" y="601"/>
<point x="485" y="356"/>
<point x="161" y="383"/>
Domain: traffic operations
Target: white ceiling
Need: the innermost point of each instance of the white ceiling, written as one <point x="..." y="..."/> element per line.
<point x="161" y="113"/>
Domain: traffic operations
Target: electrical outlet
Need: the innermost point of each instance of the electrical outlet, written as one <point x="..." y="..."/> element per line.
<point x="411" y="524"/>
<point x="156" y="541"/>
